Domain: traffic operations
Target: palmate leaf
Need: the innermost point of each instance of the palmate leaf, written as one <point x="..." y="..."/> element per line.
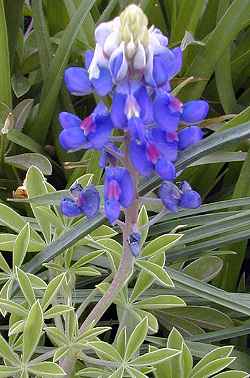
<point x="83" y="228"/>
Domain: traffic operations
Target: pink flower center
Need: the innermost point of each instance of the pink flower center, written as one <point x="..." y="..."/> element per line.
<point x="171" y="137"/>
<point x="88" y="125"/>
<point x="114" y="190"/>
<point x="175" y="105"/>
<point x="153" y="153"/>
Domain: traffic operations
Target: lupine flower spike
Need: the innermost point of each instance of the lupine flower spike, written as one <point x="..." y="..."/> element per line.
<point x="133" y="65"/>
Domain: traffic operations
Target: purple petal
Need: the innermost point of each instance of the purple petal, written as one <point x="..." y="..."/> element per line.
<point x="118" y="64"/>
<point x="72" y="139"/>
<point x="69" y="208"/>
<point x="165" y="169"/>
<point x="137" y="129"/>
<point x="138" y="157"/>
<point x="101" y="135"/>
<point x="190" y="200"/>
<point x="112" y="210"/>
<point x="77" y="81"/>
<point x="89" y="202"/>
<point x="188" y="136"/>
<point x="195" y="111"/>
<point x="170" y="195"/>
<point x="68" y="120"/>
<point x="103" y="85"/>
<point x="127" y="186"/>
<point x="117" y="110"/>
<point x="167" y="147"/>
<point x="163" y="116"/>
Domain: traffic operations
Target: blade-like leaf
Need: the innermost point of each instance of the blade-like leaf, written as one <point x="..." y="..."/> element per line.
<point x="46" y="369"/>
<point x="21" y="245"/>
<point x="136" y="339"/>
<point x="32" y="331"/>
<point x="155" y="357"/>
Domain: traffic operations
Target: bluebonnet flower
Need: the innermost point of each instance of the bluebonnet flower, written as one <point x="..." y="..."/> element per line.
<point x="119" y="191"/>
<point x="134" y="65"/>
<point x="82" y="201"/>
<point x="134" y="243"/>
<point x="182" y="197"/>
<point x="92" y="132"/>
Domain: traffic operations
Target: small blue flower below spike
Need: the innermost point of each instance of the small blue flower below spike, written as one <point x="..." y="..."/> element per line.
<point x="134" y="240"/>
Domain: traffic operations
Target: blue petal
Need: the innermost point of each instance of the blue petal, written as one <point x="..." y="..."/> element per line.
<point x="178" y="62"/>
<point x="134" y="243"/>
<point x="68" y="120"/>
<point x="89" y="54"/>
<point x="137" y="129"/>
<point x="90" y="202"/>
<point x="145" y="104"/>
<point x="165" y="169"/>
<point x="72" y="139"/>
<point x="127" y="186"/>
<point x="117" y="111"/>
<point x="138" y="157"/>
<point x="112" y="210"/>
<point x="163" y="66"/>
<point x="189" y="136"/>
<point x="194" y="111"/>
<point x="100" y="110"/>
<point x="190" y="200"/>
<point x="69" y="208"/>
<point x="77" y="81"/>
<point x="170" y="195"/>
<point x="103" y="85"/>
<point x="168" y="150"/>
<point x="164" y="118"/>
<point x="101" y="135"/>
<point x="118" y="64"/>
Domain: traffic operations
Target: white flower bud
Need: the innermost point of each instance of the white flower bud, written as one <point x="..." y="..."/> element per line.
<point x="139" y="62"/>
<point x="112" y="42"/>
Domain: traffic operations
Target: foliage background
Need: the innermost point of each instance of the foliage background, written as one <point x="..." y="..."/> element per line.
<point x="38" y="40"/>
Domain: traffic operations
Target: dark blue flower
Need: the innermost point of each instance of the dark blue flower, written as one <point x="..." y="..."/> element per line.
<point x="93" y="132"/>
<point x="119" y="191"/>
<point x="134" y="243"/>
<point x="82" y="201"/>
<point x="182" y="197"/>
<point x="103" y="84"/>
<point x="189" y="136"/>
<point x="194" y="111"/>
<point x="156" y="153"/>
<point x="118" y="64"/>
<point x="167" y="112"/>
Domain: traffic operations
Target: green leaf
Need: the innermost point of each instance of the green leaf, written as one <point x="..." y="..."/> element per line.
<point x="26" y="286"/>
<point x="134" y="373"/>
<point x="56" y="336"/>
<point x="118" y="373"/>
<point x="152" y="320"/>
<point x="25" y="161"/>
<point x="5" y="84"/>
<point x="93" y="372"/>
<point x="13" y="308"/>
<point x="3" y="264"/>
<point x="136" y="339"/>
<point x="182" y="364"/>
<point x="155" y="357"/>
<point x="56" y="311"/>
<point x="7" y="352"/>
<point x="214" y="355"/>
<point x="213" y="367"/>
<point x="156" y="271"/>
<point x="142" y="223"/>
<point x="21" y="139"/>
<point x="107" y="350"/>
<point x="46" y="369"/>
<point x="160" y="301"/>
<point x="205" y="268"/>
<point x="92" y="333"/>
<point x="36" y="282"/>
<point x="8" y="371"/>
<point x="17" y="327"/>
<point x="21" y="112"/>
<point x="51" y="290"/>
<point x="232" y="374"/>
<point x="32" y="331"/>
<point x="54" y="77"/>
<point x="162" y="243"/>
<point x="60" y="353"/>
<point x="15" y="222"/>
<point x="88" y="271"/>
<point x="21" y="245"/>
<point x="86" y="259"/>
<point x="145" y="279"/>
<point x="121" y="342"/>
